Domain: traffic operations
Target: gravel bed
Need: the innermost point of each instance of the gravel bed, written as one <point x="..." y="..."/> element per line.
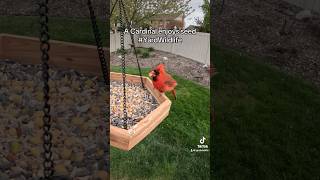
<point x="139" y="104"/>
<point x="79" y="140"/>
<point x="175" y="64"/>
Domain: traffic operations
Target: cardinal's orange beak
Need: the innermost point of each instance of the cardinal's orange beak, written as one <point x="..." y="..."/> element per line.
<point x="151" y="74"/>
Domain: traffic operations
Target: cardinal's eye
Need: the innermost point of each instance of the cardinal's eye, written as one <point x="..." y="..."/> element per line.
<point x="156" y="72"/>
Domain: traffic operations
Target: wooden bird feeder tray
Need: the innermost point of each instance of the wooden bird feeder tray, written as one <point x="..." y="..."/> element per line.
<point x="126" y="139"/>
<point x="84" y="58"/>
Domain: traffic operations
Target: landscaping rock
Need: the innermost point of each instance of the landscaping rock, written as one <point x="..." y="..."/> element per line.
<point x="75" y="113"/>
<point x="61" y="170"/>
<point x="4" y="164"/>
<point x="4" y="176"/>
<point x="101" y="175"/>
<point x="66" y="153"/>
<point x="15" y="147"/>
<point x="79" y="172"/>
<point x="83" y="108"/>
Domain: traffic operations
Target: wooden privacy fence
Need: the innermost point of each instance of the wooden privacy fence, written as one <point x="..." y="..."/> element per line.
<point x="195" y="47"/>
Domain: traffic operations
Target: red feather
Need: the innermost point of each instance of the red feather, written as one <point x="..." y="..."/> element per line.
<point x="162" y="80"/>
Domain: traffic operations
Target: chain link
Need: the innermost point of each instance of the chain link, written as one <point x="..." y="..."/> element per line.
<point x="48" y="164"/>
<point x="132" y="40"/>
<point x="104" y="68"/>
<point x="123" y="66"/>
<point x="101" y="54"/>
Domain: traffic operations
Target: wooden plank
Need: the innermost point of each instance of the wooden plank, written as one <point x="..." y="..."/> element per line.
<point x="63" y="55"/>
<point x="1" y="47"/>
<point x="129" y="78"/>
<point x="144" y="123"/>
<point x="144" y="130"/>
<point x="148" y="130"/>
<point x="119" y="138"/>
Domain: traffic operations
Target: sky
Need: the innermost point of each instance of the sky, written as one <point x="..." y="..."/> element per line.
<point x="190" y="20"/>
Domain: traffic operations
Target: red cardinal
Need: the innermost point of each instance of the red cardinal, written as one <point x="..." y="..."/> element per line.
<point x="162" y="80"/>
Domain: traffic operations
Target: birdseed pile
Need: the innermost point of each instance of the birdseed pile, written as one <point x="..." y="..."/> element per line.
<point x="79" y="137"/>
<point x="139" y="103"/>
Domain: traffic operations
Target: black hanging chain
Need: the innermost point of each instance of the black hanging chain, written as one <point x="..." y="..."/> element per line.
<point x="48" y="164"/>
<point x="122" y="12"/>
<point x="123" y="66"/>
<point x="104" y="66"/>
<point x="132" y="40"/>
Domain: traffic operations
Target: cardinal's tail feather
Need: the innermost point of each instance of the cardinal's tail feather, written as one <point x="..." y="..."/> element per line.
<point x="174" y="94"/>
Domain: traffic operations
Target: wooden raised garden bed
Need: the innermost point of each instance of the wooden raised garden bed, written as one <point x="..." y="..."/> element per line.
<point x="84" y="58"/>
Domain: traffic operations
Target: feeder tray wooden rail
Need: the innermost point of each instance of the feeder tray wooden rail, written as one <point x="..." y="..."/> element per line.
<point x="127" y="139"/>
<point x="84" y="58"/>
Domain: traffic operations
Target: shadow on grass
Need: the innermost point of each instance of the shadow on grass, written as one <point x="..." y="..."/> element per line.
<point x="76" y="30"/>
<point x="266" y="122"/>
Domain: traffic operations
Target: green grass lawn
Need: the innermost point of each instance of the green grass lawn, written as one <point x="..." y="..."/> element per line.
<point x="267" y="124"/>
<point x="165" y="153"/>
<point x="64" y="29"/>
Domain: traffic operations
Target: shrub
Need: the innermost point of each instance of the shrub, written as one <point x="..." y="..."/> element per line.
<point x="138" y="51"/>
<point x="145" y="54"/>
<point x="150" y="49"/>
<point x="120" y="51"/>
